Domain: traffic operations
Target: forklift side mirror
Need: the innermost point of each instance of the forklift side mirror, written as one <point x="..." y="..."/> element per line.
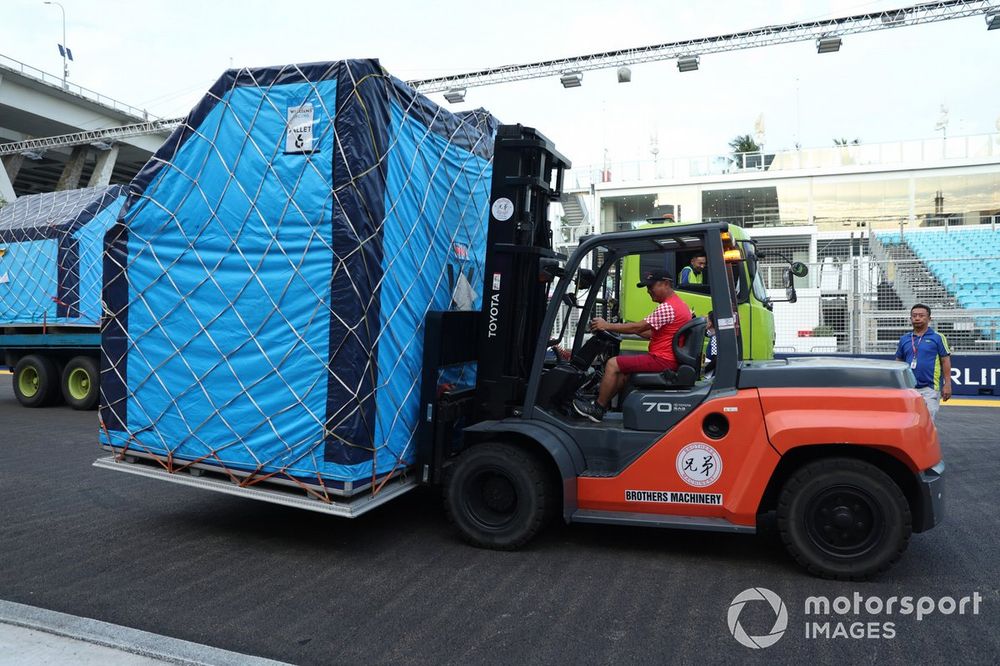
<point x="585" y="279"/>
<point x="798" y="269"/>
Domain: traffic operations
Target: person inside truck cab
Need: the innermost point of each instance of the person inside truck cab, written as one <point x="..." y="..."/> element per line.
<point x="695" y="273"/>
<point x="659" y="327"/>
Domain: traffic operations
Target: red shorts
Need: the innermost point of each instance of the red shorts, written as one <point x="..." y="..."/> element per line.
<point x="644" y="363"/>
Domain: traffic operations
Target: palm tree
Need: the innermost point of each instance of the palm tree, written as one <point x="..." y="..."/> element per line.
<point x="845" y="142"/>
<point x="744" y="143"/>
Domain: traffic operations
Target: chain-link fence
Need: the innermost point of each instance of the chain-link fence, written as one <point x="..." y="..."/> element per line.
<point x="857" y="296"/>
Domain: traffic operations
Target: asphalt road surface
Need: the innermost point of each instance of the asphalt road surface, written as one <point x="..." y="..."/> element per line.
<point x="397" y="585"/>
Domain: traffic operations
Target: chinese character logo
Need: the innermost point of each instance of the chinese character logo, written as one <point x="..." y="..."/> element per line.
<point x="780" y="617"/>
<point x="699" y="465"/>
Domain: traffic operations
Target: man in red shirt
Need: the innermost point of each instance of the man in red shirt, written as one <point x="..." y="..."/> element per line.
<point x="659" y="327"/>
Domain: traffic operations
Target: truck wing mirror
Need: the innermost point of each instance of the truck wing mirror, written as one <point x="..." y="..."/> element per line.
<point x="585" y="279"/>
<point x="788" y="278"/>
<point x="798" y="269"/>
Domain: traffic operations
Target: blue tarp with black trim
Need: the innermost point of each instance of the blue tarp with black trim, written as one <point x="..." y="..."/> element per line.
<point x="268" y="279"/>
<point x="50" y="256"/>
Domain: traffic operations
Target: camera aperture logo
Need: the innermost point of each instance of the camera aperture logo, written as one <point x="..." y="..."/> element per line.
<point x="845" y="617"/>
<point x="780" y="617"/>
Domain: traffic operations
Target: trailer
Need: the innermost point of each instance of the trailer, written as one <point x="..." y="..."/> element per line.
<point x="50" y="300"/>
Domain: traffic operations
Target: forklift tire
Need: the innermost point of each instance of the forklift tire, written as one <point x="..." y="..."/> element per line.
<point x="843" y="518"/>
<point x="36" y="381"/>
<point x="498" y="495"/>
<point x="81" y="383"/>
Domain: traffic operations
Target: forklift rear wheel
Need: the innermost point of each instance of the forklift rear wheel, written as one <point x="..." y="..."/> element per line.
<point x="843" y="518"/>
<point x="498" y="495"/>
<point x="36" y="381"/>
<point x="81" y="383"/>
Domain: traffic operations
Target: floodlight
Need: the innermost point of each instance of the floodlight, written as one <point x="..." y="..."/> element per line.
<point x="624" y="75"/>
<point x="571" y="79"/>
<point x="993" y="20"/>
<point x="455" y="95"/>
<point x="828" y="44"/>
<point x="688" y="63"/>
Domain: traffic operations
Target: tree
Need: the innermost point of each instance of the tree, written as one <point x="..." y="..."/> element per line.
<point x="845" y="142"/>
<point x="746" y="152"/>
<point x="744" y="143"/>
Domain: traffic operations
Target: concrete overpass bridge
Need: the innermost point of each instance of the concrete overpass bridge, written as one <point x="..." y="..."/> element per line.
<point x="34" y="103"/>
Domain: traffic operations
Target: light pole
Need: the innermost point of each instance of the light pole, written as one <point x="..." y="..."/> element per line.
<point x="64" y="49"/>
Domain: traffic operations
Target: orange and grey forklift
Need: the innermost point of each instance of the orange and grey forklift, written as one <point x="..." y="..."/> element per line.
<point x="843" y="451"/>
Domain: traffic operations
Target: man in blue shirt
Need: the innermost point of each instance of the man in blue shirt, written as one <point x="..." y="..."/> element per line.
<point x="929" y="357"/>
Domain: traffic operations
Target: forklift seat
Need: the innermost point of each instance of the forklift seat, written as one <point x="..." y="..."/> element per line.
<point x="688" y="343"/>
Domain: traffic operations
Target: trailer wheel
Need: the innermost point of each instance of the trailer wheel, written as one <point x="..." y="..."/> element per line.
<point x="498" y="495"/>
<point x="81" y="385"/>
<point x="843" y="518"/>
<point x="36" y="381"/>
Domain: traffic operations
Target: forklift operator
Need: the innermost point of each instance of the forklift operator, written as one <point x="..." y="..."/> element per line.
<point x="659" y="327"/>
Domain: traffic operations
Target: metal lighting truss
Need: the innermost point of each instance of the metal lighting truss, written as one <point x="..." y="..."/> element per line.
<point x="101" y="138"/>
<point x="928" y="12"/>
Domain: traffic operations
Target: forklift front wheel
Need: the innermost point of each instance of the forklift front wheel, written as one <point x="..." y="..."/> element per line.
<point x="498" y="495"/>
<point x="843" y="518"/>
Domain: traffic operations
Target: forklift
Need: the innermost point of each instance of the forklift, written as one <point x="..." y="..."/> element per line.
<point x="842" y="451"/>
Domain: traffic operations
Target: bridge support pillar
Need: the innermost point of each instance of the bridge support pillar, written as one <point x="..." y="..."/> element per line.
<point x="70" y="178"/>
<point x="8" y="174"/>
<point x="106" y="160"/>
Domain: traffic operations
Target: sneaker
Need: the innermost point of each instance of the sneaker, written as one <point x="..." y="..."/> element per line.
<point x="589" y="410"/>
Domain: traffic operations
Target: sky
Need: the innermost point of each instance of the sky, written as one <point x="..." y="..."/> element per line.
<point x="162" y="55"/>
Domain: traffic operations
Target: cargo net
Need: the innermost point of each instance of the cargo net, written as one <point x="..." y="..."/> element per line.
<point x="50" y="256"/>
<point x="282" y="254"/>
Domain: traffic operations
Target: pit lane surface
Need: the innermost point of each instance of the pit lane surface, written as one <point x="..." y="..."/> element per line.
<point x="398" y="585"/>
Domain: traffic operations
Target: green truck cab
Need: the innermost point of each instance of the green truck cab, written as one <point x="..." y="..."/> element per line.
<point x="755" y="309"/>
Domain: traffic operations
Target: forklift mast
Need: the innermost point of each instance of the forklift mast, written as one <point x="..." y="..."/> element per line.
<point x="527" y="175"/>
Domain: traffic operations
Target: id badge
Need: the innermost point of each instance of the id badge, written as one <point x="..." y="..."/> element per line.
<point x="913" y="364"/>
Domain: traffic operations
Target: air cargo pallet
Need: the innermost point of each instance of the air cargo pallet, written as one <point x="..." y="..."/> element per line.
<point x="292" y="496"/>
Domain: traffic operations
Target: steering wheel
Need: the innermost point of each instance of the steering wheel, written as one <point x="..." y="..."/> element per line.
<point x="608" y="336"/>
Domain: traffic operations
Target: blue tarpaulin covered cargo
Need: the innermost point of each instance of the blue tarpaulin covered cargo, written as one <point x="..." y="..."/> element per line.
<point x="50" y="256"/>
<point x="268" y="279"/>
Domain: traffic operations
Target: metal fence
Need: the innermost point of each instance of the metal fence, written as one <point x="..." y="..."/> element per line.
<point x="859" y="304"/>
<point x="893" y="153"/>
<point x="857" y="296"/>
<point x="53" y="80"/>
